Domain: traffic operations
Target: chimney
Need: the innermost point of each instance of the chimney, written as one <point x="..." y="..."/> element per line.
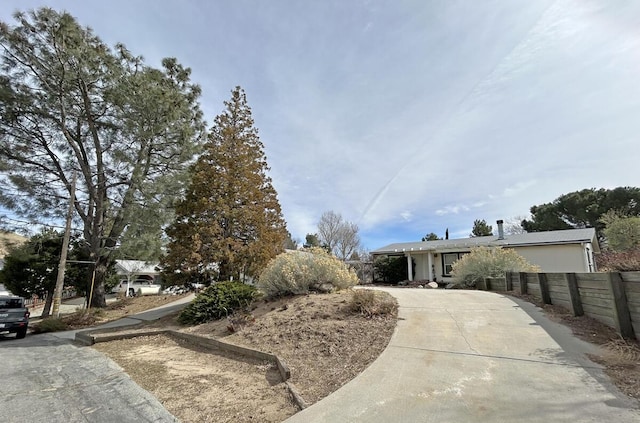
<point x="500" y="229"/>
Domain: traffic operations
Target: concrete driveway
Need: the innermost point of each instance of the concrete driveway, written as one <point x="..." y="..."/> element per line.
<point x="473" y="356"/>
<point x="48" y="378"/>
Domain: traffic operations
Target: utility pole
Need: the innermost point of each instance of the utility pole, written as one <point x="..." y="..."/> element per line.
<point x="57" y="294"/>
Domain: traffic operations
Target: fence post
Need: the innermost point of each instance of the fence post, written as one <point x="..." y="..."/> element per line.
<point x="523" y="283"/>
<point x="574" y="294"/>
<point x="508" y="283"/>
<point x="621" y="314"/>
<point x="483" y="285"/>
<point x="544" y="288"/>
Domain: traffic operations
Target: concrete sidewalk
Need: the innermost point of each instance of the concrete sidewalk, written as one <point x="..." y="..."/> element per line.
<point x="148" y="315"/>
<point x="473" y="356"/>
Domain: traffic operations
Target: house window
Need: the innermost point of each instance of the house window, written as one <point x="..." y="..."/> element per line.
<point x="447" y="261"/>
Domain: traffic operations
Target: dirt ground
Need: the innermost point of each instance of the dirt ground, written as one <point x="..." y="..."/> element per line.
<point x="620" y="358"/>
<point x="324" y="344"/>
<point x="198" y="386"/>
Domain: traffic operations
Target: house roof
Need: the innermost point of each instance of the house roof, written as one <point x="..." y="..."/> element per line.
<point x="136" y="267"/>
<point x="569" y="236"/>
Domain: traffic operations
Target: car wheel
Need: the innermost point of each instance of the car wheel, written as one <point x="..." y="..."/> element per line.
<point x="21" y="333"/>
<point x="132" y="292"/>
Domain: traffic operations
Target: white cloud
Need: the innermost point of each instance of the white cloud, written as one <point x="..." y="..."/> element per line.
<point x="406" y="215"/>
<point x="409" y="118"/>
<point x="517" y="188"/>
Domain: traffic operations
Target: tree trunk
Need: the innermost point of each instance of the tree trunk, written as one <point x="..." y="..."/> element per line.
<point x="47" y="304"/>
<point x="98" y="299"/>
<point x="224" y="271"/>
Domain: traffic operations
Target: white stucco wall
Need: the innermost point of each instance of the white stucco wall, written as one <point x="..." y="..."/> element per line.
<point x="550" y="258"/>
<point x="556" y="258"/>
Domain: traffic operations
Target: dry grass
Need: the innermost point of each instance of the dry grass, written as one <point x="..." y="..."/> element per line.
<point x="623" y="351"/>
<point x="203" y="385"/>
<point x="321" y="339"/>
<point x="373" y="303"/>
<point x="621" y="360"/>
<point x="83" y="318"/>
<point x="324" y="343"/>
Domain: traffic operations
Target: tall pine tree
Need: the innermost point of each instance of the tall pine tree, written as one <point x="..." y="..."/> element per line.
<point x="70" y="104"/>
<point x="230" y="221"/>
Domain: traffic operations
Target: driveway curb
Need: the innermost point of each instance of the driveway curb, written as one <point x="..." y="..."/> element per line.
<point x="90" y="337"/>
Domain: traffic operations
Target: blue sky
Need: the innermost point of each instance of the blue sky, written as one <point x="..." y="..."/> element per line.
<point x="408" y="117"/>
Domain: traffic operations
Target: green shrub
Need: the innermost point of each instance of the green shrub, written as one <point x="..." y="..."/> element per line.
<point x="301" y="272"/>
<point x="391" y="270"/>
<point x="622" y="233"/>
<point x="218" y="301"/>
<point x="49" y="324"/>
<point x="372" y="303"/>
<point x="488" y="262"/>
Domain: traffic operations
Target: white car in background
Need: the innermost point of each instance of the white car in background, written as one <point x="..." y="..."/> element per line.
<point x="137" y="287"/>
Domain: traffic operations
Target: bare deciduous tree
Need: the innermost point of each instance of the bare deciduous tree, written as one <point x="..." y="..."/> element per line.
<point x="337" y="235"/>
<point x="513" y="226"/>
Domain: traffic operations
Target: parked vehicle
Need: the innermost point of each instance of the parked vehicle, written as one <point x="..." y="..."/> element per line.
<point x="175" y="290"/>
<point x="14" y="316"/>
<point x="137" y="287"/>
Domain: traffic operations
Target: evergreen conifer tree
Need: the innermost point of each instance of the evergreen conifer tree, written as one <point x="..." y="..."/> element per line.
<point x="230" y="223"/>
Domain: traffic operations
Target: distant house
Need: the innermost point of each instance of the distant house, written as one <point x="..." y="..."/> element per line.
<point x="131" y="270"/>
<point x="553" y="251"/>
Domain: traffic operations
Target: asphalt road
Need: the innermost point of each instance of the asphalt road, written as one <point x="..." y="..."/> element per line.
<point x="473" y="356"/>
<point x="46" y="378"/>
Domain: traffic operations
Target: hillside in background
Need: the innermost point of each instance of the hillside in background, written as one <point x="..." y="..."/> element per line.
<point x="7" y="239"/>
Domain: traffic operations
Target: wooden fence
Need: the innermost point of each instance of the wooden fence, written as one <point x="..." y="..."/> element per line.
<point x="612" y="298"/>
<point x="36" y="302"/>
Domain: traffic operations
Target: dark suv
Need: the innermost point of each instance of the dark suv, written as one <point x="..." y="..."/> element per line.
<point x="14" y="316"/>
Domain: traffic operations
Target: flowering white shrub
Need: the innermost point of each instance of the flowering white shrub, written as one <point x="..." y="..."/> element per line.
<point x="299" y="272"/>
<point x="488" y="262"/>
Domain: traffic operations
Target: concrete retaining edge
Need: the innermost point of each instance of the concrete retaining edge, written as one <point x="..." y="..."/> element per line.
<point x="297" y="398"/>
<point x="86" y="337"/>
<point x="202" y="341"/>
<point x="90" y="337"/>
